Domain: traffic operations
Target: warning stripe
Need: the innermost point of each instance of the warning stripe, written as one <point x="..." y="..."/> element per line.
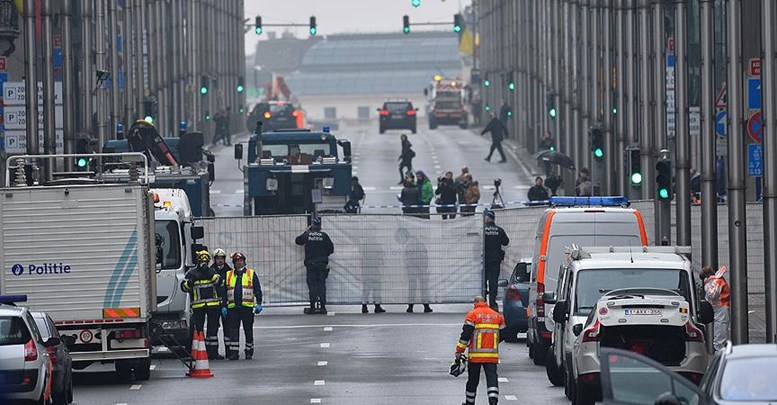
<point x="109" y="313"/>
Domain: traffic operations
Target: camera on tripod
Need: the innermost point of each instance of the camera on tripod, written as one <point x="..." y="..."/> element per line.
<point x="497" y="183"/>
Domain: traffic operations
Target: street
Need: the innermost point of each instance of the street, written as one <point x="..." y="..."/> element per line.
<point x="347" y="358"/>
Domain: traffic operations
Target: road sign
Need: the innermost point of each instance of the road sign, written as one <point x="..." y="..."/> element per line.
<point x="755" y="127"/>
<point x="720" y="124"/>
<point x="754" y="94"/>
<point x="755" y="67"/>
<point x="3" y="63"/>
<point x="721" y="99"/>
<point x="755" y="160"/>
<point x="694" y="121"/>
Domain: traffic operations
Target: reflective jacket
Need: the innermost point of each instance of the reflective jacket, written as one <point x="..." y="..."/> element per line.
<point x="481" y="334"/>
<point x="203" y="285"/>
<point x="717" y="291"/>
<point x="246" y="291"/>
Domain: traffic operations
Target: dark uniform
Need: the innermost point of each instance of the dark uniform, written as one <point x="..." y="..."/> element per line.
<point x="498" y="133"/>
<point x="495" y="238"/>
<point x="244" y="295"/>
<point x="318" y="247"/>
<point x="204" y="287"/>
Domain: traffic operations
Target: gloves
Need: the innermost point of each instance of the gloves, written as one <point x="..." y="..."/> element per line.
<point x="458" y="357"/>
<point x="258" y="308"/>
<point x="224" y="312"/>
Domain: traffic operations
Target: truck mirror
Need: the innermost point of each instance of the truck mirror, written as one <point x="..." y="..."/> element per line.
<point x="577" y="329"/>
<point x="549" y="297"/>
<point x="197" y="232"/>
<point x="502" y="283"/>
<point x="346" y="145"/>
<point x="239" y="151"/>
<point x="559" y="312"/>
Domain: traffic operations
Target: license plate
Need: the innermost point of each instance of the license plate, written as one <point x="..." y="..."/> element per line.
<point x="645" y="311"/>
<point x="396" y="117"/>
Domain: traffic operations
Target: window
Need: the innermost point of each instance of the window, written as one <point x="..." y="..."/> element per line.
<point x="592" y="284"/>
<point x="171" y="244"/>
<point x="396" y="108"/>
<point x="43" y="327"/>
<point x="633" y="379"/>
<point x="13" y="331"/>
<point x="749" y="379"/>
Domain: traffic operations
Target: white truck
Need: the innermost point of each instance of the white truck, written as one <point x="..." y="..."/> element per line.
<point x="84" y="254"/>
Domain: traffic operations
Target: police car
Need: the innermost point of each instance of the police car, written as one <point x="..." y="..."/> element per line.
<point x="656" y="323"/>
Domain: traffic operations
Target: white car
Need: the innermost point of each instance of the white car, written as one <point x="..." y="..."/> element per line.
<point x="653" y="322"/>
<point x="25" y="367"/>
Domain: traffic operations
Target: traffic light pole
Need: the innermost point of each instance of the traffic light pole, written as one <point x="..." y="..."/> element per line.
<point x="709" y="200"/>
<point x="682" y="145"/>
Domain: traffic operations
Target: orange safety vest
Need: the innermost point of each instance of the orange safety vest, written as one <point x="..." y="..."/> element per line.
<point x="247" y="281"/>
<point x="717" y="291"/>
<point x="484" y="343"/>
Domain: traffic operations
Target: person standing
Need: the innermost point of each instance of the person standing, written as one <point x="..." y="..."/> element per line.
<point x="471" y="195"/>
<point x="410" y="196"/>
<point x="203" y="285"/>
<point x="498" y="133"/>
<point x="427" y="193"/>
<point x="583" y="186"/>
<point x="538" y="192"/>
<point x="318" y="247"/>
<point x="243" y="299"/>
<point x="495" y="237"/>
<point x="354" y="198"/>
<point x="481" y="334"/>
<point x="221" y="268"/>
<point x="405" y="158"/>
<point x="460" y="184"/>
<point x="718" y="294"/>
<point x="447" y="196"/>
<point x="505" y="112"/>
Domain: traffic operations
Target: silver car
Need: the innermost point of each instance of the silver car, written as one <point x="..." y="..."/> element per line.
<point x="25" y="366"/>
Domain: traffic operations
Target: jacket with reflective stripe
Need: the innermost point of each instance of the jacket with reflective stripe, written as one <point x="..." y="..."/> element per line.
<point x="481" y="334"/>
<point x="203" y="284"/>
<point x="249" y="286"/>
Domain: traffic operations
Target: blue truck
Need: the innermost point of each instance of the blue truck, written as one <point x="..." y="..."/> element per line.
<point x="295" y="171"/>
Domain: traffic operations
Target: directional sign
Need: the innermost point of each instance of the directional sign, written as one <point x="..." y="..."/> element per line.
<point x="755" y="127"/>
<point x="754" y="94"/>
<point x="720" y="124"/>
<point x="755" y="160"/>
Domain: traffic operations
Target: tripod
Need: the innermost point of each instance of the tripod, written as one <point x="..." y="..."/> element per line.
<point x="496" y="200"/>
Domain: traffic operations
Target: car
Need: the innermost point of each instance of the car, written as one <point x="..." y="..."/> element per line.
<point x="25" y="365"/>
<point x="586" y="221"/>
<point x="655" y="322"/>
<point x="397" y="114"/>
<point x="62" y="362"/>
<point x="516" y="299"/>
<point x="274" y="116"/>
<point x="743" y="374"/>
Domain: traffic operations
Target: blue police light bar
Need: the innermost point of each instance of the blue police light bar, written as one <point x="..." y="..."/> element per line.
<point x="12" y="299"/>
<point x="601" y="201"/>
<point x="182" y="125"/>
<point x="325" y="130"/>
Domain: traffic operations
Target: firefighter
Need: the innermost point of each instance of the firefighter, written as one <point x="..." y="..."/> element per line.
<point x="481" y="334"/>
<point x="318" y="247"/>
<point x="243" y="299"/>
<point x="221" y="267"/>
<point x="204" y="287"/>
<point x="495" y="238"/>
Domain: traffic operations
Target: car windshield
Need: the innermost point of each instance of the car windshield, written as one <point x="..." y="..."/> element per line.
<point x="749" y="379"/>
<point x="313" y="149"/>
<point x="171" y="244"/>
<point x="398" y="107"/>
<point x="592" y="284"/>
<point x="13" y="331"/>
<point x="283" y="108"/>
<point x="448" y="100"/>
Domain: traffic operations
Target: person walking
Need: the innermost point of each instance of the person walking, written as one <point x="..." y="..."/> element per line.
<point x="538" y="192"/>
<point x="203" y="285"/>
<point x="718" y="294"/>
<point x="498" y="132"/>
<point x="405" y="158"/>
<point x="221" y="268"/>
<point x="481" y="334"/>
<point x="495" y="237"/>
<point x="318" y="247"/>
<point x="471" y="195"/>
<point x="221" y="120"/>
<point x="447" y="196"/>
<point x="410" y="196"/>
<point x="427" y="193"/>
<point x="354" y="198"/>
<point x="242" y="301"/>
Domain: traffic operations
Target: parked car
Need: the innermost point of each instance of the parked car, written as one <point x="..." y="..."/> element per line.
<point x="516" y="299"/>
<point x="397" y="114"/>
<point x="25" y="365"/>
<point x="62" y="363"/>
<point x="744" y="374"/>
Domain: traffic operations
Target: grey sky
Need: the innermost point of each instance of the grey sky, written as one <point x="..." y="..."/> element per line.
<point x="348" y="16"/>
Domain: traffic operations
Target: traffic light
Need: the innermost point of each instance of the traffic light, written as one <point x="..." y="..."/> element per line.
<point x="596" y="137"/>
<point x="204" y="84"/>
<point x="664" y="179"/>
<point x="635" y="169"/>
<point x="510" y="82"/>
<point x="207" y="115"/>
<point x="240" y="86"/>
<point x="488" y="108"/>
<point x="457" y="23"/>
<point x="313" y="28"/>
<point x="415" y="3"/>
<point x="615" y="110"/>
<point x="149" y="110"/>
<point x="83" y="147"/>
<point x="551" y="101"/>
<point x="486" y="82"/>
<point x="406" y="24"/>
<point x="258" y="25"/>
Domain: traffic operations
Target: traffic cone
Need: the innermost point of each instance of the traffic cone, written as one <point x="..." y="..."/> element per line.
<point x="200" y="355"/>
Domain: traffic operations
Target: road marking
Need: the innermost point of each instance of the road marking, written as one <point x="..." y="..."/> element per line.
<point x="215" y="191"/>
<point x="121" y="403"/>
<point x="511" y="397"/>
<point x="330" y="313"/>
<point x="324" y="345"/>
<point x="504" y="380"/>
<point x="328" y="329"/>
<point x="153" y="367"/>
<point x="315" y="400"/>
<point x="380" y="325"/>
<point x="436" y="166"/>
<point x="239" y="191"/>
<point x="322" y="363"/>
<point x="395" y="188"/>
<point x="135" y="387"/>
<point x="319" y="382"/>
<point x="369" y="188"/>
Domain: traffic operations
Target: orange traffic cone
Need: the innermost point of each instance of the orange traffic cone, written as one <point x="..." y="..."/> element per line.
<point x="200" y="355"/>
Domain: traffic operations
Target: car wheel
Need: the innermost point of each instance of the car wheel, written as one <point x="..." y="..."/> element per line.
<point x="413" y="130"/>
<point x="531" y="349"/>
<point x="570" y="388"/>
<point x="123" y="370"/>
<point x="65" y="396"/>
<point x="539" y="354"/>
<point x="463" y="125"/>
<point x="555" y="375"/>
<point x="382" y="131"/>
<point x="143" y="370"/>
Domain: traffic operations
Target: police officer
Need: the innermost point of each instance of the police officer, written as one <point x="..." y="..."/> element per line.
<point x="318" y="247"/>
<point x="221" y="267"/>
<point x="495" y="238"/>
<point x="204" y="287"/>
<point x="243" y="299"/>
<point x="481" y="334"/>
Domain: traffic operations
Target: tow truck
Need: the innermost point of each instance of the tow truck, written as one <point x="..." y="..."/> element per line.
<point x="445" y="103"/>
<point x="295" y="171"/>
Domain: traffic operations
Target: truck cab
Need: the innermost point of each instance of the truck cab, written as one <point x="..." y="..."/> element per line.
<point x="295" y="172"/>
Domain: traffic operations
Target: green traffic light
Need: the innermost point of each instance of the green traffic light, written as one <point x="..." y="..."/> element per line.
<point x="614" y="110"/>
<point x="457" y="28"/>
<point x="313" y="31"/>
<point x="552" y="148"/>
<point x="149" y="119"/>
<point x="203" y="90"/>
<point x="636" y="178"/>
<point x="240" y="88"/>
<point x="511" y="86"/>
<point x="207" y="117"/>
<point x="82" y="162"/>
<point x="258" y="30"/>
<point x="487" y="83"/>
<point x="488" y="107"/>
<point x="509" y="113"/>
<point x="663" y="193"/>
<point x="415" y="3"/>
<point x="406" y="30"/>
<point x="552" y="113"/>
<point x="599" y="153"/>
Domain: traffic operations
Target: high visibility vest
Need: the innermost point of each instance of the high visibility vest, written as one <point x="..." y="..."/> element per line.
<point x="717" y="291"/>
<point x="205" y="293"/>
<point x="247" y="282"/>
<point x="484" y="343"/>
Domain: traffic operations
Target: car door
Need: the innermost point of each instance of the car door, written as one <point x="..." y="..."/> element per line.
<point x="629" y="378"/>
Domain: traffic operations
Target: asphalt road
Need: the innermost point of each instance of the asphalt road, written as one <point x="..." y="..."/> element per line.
<point x="347" y="358"/>
<point x="375" y="163"/>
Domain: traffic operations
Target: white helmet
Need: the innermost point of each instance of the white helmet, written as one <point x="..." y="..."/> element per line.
<point x="219" y="252"/>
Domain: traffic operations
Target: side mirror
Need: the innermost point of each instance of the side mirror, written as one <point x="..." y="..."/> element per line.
<point x="667" y="399"/>
<point x="577" y="329"/>
<point x="346" y="145"/>
<point x="549" y="297"/>
<point x="197" y="232"/>
<point x="416" y="108"/>
<point x="239" y="151"/>
<point x="377" y="109"/>
<point x="53" y="341"/>
<point x="560" y="312"/>
<point x="502" y="283"/>
<point x="706" y="313"/>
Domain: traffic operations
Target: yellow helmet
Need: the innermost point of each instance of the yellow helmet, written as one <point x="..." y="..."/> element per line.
<point x="203" y="256"/>
<point x="219" y="252"/>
